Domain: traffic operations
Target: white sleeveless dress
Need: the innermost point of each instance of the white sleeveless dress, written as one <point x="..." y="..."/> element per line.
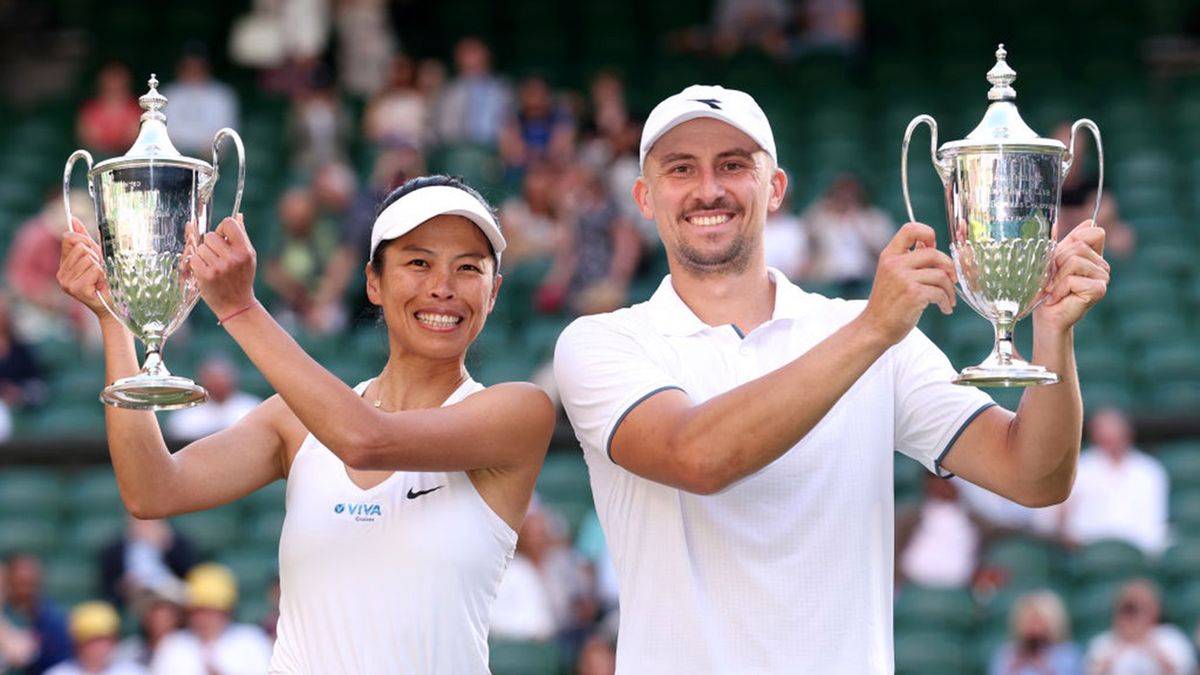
<point x="399" y="578"/>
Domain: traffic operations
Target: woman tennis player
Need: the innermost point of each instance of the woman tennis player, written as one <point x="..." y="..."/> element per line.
<point x="404" y="493"/>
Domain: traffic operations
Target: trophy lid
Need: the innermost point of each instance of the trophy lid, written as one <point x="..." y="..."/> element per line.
<point x="152" y="143"/>
<point x="1002" y="124"/>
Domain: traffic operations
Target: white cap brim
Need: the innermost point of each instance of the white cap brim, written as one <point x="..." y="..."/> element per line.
<point x="415" y="208"/>
<point x="735" y="108"/>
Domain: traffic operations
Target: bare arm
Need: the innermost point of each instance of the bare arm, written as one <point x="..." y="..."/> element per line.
<point x="153" y="482"/>
<point x="1030" y="457"/>
<point x="705" y="448"/>
<point x="506" y="426"/>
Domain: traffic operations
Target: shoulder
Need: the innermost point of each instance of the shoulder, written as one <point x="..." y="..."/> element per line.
<point x="520" y="411"/>
<point x="522" y="394"/>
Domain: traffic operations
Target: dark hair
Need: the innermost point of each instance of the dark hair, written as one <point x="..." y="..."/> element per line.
<point x="414" y="184"/>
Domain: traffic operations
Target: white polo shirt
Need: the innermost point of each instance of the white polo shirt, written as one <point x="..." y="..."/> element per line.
<point x="790" y="569"/>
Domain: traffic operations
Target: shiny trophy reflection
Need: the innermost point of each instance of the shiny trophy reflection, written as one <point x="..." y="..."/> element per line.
<point x="1003" y="186"/>
<point x="152" y="206"/>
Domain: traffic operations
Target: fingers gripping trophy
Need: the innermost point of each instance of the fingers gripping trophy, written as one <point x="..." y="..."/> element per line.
<point x="1003" y="187"/>
<point x="152" y="204"/>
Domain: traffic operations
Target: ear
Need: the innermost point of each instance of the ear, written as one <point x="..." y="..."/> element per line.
<point x="641" y="197"/>
<point x="499" y="281"/>
<point x="779" y="182"/>
<point x="373" y="292"/>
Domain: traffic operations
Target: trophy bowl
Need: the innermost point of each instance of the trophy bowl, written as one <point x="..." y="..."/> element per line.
<point x="152" y="207"/>
<point x="1003" y="188"/>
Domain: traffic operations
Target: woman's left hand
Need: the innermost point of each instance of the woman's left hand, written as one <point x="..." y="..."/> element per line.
<point x="224" y="263"/>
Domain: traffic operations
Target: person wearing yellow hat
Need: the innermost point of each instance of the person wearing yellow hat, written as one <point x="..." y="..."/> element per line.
<point x="212" y="644"/>
<point x="94" y="627"/>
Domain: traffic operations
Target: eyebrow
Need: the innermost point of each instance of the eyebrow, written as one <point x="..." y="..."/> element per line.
<point x="733" y="152"/>
<point x="419" y="249"/>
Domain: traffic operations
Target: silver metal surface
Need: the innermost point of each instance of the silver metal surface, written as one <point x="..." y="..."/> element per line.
<point x="152" y="205"/>
<point x="1003" y="188"/>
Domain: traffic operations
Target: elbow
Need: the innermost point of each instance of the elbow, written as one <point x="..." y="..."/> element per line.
<point x="698" y="474"/>
<point x="144" y="509"/>
<point x="1049" y="495"/>
<point x="356" y="449"/>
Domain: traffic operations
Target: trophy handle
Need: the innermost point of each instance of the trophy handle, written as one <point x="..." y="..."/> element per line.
<point x="75" y="156"/>
<point x="933" y="138"/>
<point x="1090" y="126"/>
<point x="241" y="154"/>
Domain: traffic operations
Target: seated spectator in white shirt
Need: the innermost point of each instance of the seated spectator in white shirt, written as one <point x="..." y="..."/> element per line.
<point x="198" y="105"/>
<point x="1138" y="644"/>
<point x="1120" y="492"/>
<point x="212" y="644"/>
<point x="226" y="403"/>
<point x="939" y="543"/>
<point x="94" y="627"/>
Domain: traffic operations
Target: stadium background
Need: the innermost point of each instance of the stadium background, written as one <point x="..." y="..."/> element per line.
<point x="830" y="113"/>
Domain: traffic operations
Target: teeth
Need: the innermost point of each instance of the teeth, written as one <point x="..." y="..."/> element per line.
<point x="439" y="320"/>
<point x="710" y="220"/>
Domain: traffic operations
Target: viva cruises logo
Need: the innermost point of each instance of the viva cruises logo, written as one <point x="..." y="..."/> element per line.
<point x="362" y="513"/>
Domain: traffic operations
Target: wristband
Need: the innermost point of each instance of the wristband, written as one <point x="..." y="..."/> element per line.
<point x="221" y="321"/>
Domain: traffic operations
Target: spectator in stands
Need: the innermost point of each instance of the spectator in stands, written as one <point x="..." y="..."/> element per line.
<point x="18" y="646"/>
<point x="545" y="593"/>
<point x="593" y="549"/>
<point x="597" y="656"/>
<point x="108" y="123"/>
<point x="1079" y="197"/>
<point x="785" y="241"/>
<point x="318" y="126"/>
<point x="197" y="104"/>
<point x="474" y="105"/>
<point x="300" y="272"/>
<point x="41" y="310"/>
<point x="847" y="234"/>
<point x="938" y="543"/>
<point x="1138" y="644"/>
<point x="1040" y="639"/>
<point x="226" y="403"/>
<point x="94" y="628"/>
<point x="159" y="613"/>
<point x="27" y="608"/>
<point x="148" y="556"/>
<point x="1119" y="493"/>
<point x="829" y="26"/>
<point x="212" y="644"/>
<point x="539" y="129"/>
<point x="596" y="251"/>
<point x="365" y="42"/>
<point x="21" y="379"/>
<point x="737" y="23"/>
<point x="530" y="219"/>
<point x="399" y="115"/>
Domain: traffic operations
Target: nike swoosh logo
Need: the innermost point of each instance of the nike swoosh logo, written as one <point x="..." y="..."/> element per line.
<point x="418" y="493"/>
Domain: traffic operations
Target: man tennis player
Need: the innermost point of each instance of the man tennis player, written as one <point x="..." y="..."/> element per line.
<point x="739" y="431"/>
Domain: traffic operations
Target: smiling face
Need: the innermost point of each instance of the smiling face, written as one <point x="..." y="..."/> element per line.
<point x="436" y="286"/>
<point x="709" y="188"/>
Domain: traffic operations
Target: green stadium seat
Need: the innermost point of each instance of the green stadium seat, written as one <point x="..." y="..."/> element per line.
<point x="1107" y="560"/>
<point x="1091" y="607"/>
<point x="211" y="531"/>
<point x="1152" y="325"/>
<point x="254" y="566"/>
<point x="1181" y="459"/>
<point x="1180" y="563"/>
<point x="931" y="653"/>
<point x="29" y="533"/>
<point x="89" y="532"/>
<point x="95" y="491"/>
<point x="70" y="420"/>
<point x="523" y="657"/>
<point x="1182" y="603"/>
<point x="264" y="527"/>
<point x="270" y="497"/>
<point x="30" y="491"/>
<point x="1185" y="511"/>
<point x="70" y="578"/>
<point x="923" y="608"/>
<point x="1029" y="562"/>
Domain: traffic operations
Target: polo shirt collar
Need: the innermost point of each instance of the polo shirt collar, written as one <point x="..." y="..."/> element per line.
<point x="671" y="315"/>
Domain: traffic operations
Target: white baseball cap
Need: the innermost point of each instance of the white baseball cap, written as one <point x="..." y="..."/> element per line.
<point x="408" y="212"/>
<point x="735" y="108"/>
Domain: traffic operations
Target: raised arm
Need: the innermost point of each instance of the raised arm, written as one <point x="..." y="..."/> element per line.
<point x="1030" y="457"/>
<point x="506" y="426"/>
<point x="705" y="448"/>
<point x="153" y="482"/>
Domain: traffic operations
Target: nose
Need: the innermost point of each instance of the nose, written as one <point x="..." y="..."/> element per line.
<point x="710" y="188"/>
<point x="441" y="284"/>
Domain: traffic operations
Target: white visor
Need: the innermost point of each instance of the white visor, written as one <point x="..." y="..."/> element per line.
<point x="413" y="209"/>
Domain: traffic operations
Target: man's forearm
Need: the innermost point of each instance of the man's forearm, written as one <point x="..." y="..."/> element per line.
<point x="1046" y="433"/>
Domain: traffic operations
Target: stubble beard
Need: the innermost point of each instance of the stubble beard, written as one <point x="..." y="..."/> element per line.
<point x="733" y="259"/>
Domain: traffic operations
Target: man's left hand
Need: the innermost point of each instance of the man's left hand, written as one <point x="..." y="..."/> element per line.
<point x="1080" y="278"/>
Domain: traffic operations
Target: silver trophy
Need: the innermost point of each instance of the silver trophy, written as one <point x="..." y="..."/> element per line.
<point x="1003" y="187"/>
<point x="152" y="207"/>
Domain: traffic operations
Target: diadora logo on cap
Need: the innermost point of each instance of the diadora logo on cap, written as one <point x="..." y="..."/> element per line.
<point x="361" y="512"/>
<point x="710" y="102"/>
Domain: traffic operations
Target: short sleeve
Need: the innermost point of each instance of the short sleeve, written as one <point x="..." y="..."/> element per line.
<point x="603" y="371"/>
<point x="931" y="411"/>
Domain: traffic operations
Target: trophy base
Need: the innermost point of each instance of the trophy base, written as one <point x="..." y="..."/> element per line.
<point x="143" y="392"/>
<point x="1015" y="374"/>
